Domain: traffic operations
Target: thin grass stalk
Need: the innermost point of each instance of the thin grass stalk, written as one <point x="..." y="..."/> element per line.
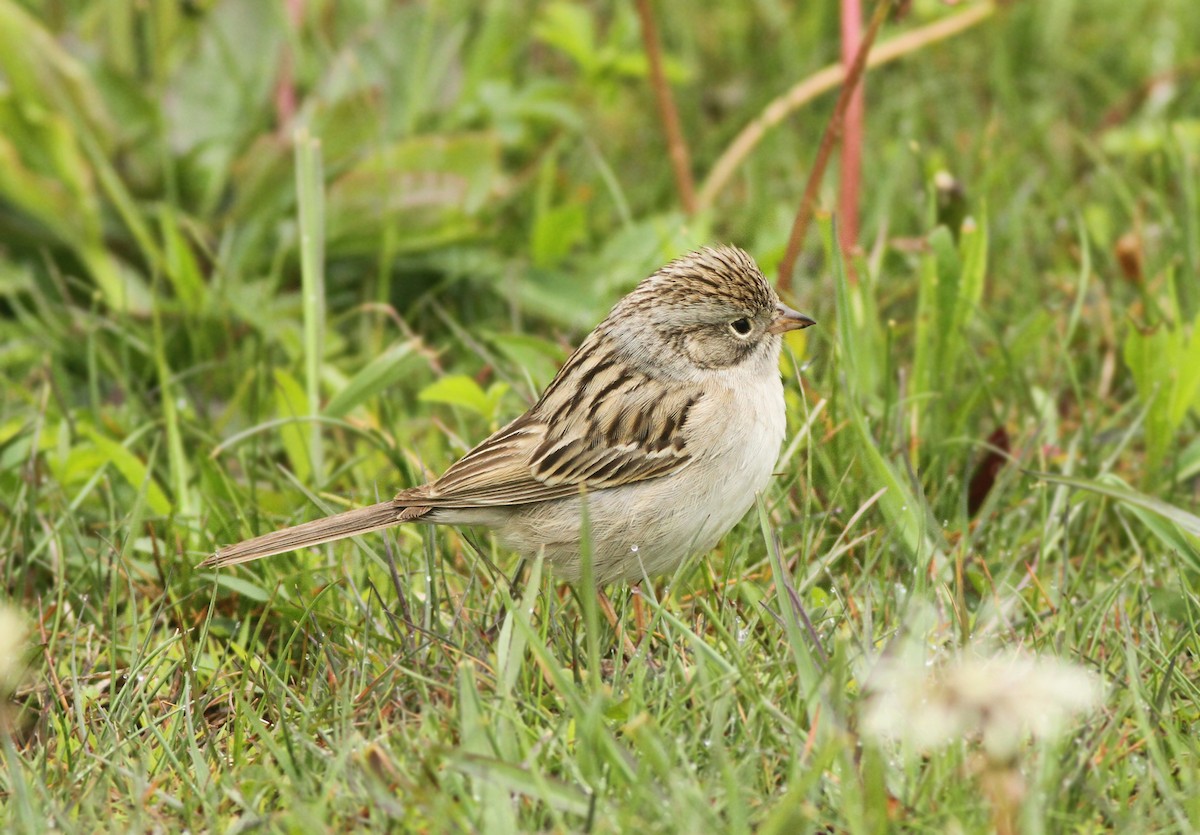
<point x="309" y="189"/>
<point x="181" y="475"/>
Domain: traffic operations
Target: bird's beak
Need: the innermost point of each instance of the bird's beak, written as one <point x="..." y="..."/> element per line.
<point x="787" y="319"/>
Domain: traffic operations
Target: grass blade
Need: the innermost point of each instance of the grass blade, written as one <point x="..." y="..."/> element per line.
<point x="310" y="190"/>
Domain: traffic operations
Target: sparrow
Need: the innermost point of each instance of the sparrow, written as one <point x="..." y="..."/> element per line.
<point x="651" y="441"/>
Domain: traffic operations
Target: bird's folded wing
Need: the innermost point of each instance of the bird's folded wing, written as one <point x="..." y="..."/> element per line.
<point x="533" y="459"/>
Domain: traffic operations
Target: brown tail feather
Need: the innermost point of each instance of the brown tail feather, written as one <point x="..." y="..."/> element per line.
<point x="352" y="522"/>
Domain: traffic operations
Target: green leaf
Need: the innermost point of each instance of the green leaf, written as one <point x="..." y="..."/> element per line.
<point x="56" y="149"/>
<point x="580" y="296"/>
<point x="1188" y="462"/>
<point x="181" y="267"/>
<point x="539" y="358"/>
<point x="458" y="390"/>
<point x="242" y="587"/>
<point x="935" y="323"/>
<point x="381" y="372"/>
<point x="41" y="73"/>
<point x="1148" y="137"/>
<point x="568" y="27"/>
<point x="44" y="196"/>
<point x="1165" y="364"/>
<point x="310" y="195"/>
<point x="1186" y="393"/>
<point x="290" y="402"/>
<point x="557" y="228"/>
<point x="973" y="252"/>
<point x="850" y="319"/>
<point x="902" y="508"/>
<point x="1168" y="534"/>
<point x="131" y="469"/>
<point x="513" y="778"/>
<point x="1112" y="487"/>
<point x="420" y="191"/>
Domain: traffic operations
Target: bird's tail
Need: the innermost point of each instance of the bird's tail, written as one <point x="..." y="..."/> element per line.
<point x="350" y="523"/>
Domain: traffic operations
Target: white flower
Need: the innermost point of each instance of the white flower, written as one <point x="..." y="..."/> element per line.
<point x="13" y="648"/>
<point x="1000" y="699"/>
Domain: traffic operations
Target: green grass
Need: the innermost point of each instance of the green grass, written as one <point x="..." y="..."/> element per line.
<point x="489" y="179"/>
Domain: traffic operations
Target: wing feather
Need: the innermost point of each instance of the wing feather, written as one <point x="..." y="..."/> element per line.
<point x="572" y="441"/>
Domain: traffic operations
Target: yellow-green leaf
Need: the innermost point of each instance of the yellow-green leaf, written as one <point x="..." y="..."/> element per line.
<point x="290" y="402"/>
<point x="131" y="469"/>
<point x="458" y="390"/>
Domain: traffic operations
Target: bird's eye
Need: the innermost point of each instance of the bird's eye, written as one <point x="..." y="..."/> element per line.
<point x="741" y="326"/>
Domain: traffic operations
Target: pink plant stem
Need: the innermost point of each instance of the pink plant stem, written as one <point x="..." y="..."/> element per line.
<point x="853" y="75"/>
<point x="825" y="79"/>
<point x="852" y="131"/>
<point x="285" y="83"/>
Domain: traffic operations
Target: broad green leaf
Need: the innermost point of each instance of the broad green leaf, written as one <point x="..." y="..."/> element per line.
<point x="240" y="44"/>
<point x="557" y="227"/>
<point x="242" y="587"/>
<point x="1146" y="137"/>
<point x="949" y="274"/>
<point x="537" y="357"/>
<point x="937" y="300"/>
<point x="381" y="372"/>
<point x="458" y="390"/>
<point x="290" y="402"/>
<point x="1188" y="462"/>
<point x="1165" y="364"/>
<point x="1186" y="395"/>
<point x="181" y="268"/>
<point x="973" y="252"/>
<point x="11" y="428"/>
<point x="41" y="73"/>
<point x="180" y="262"/>
<point x="850" y="318"/>
<point x="1168" y="534"/>
<point x="420" y="191"/>
<point x="54" y="140"/>
<point x="1112" y="487"/>
<point x="580" y="295"/>
<point x="569" y="28"/>
<point x="41" y="194"/>
<point x="903" y="509"/>
<point x="513" y="778"/>
<point x="131" y="469"/>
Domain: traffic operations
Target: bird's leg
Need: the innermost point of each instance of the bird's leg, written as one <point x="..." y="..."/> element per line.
<point x="639" y="612"/>
<point x="610" y="615"/>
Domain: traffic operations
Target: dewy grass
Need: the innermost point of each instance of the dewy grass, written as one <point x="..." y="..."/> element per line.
<point x="175" y="375"/>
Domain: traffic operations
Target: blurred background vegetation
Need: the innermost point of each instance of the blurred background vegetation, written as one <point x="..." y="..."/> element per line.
<point x="487" y="179"/>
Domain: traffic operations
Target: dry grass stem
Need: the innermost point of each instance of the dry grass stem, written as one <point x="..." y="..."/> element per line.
<point x="681" y="161"/>
<point x="828" y="140"/>
<point x="822" y="81"/>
